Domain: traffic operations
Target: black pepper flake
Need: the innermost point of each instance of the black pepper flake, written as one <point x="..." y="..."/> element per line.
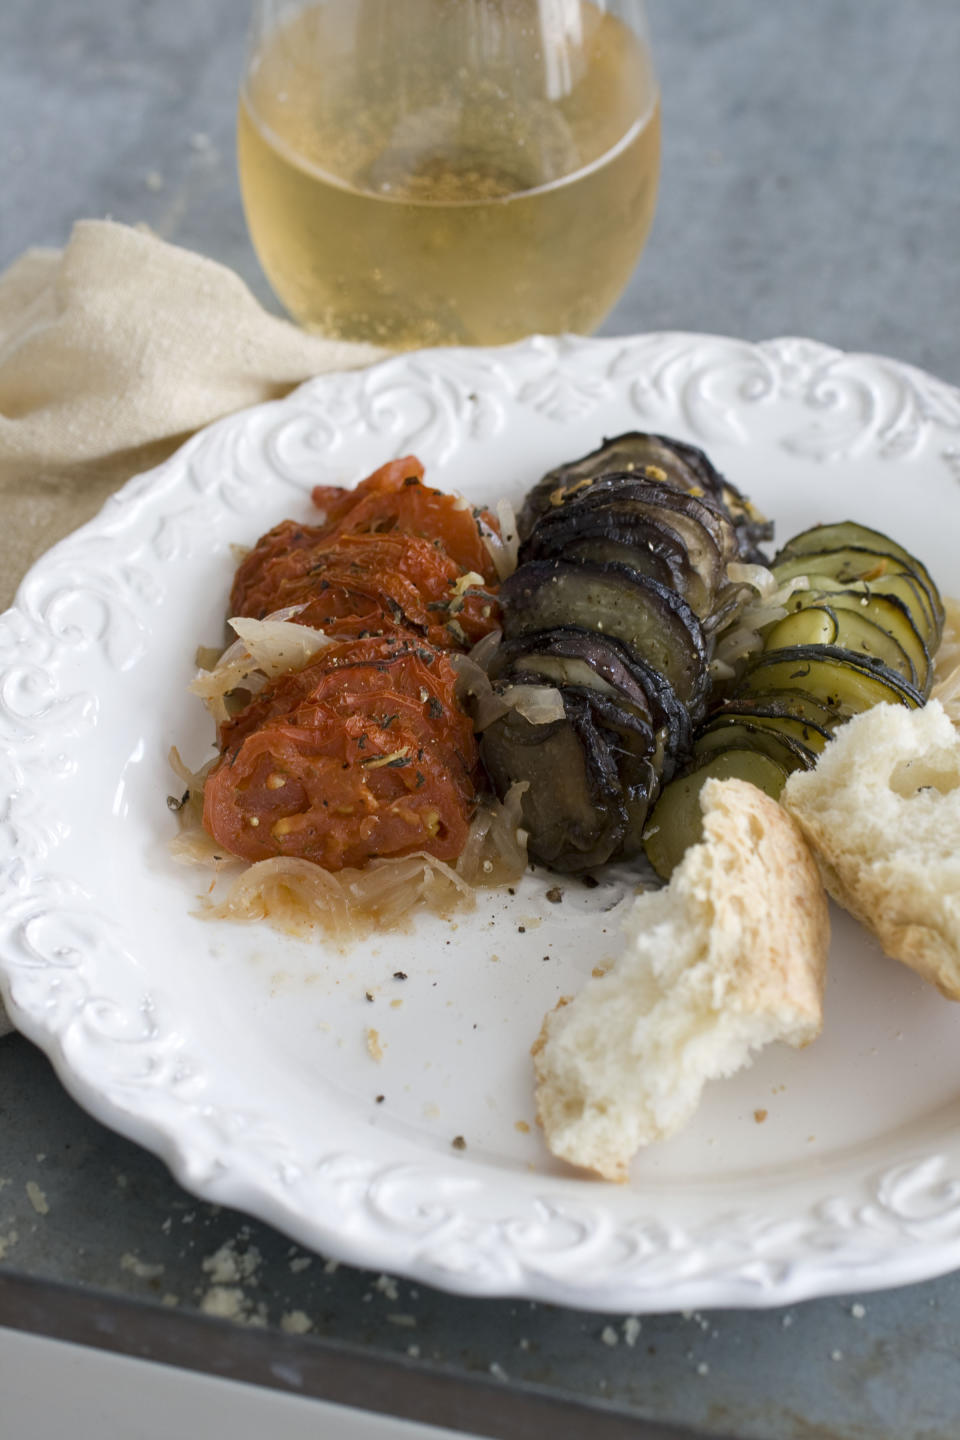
<point x="510" y="890"/>
<point x="521" y="929"/>
<point x="368" y="996"/>
<point x="388" y="720"/>
<point x="434" y="708"/>
<point x="400" y="761"/>
<point x="174" y="804"/>
<point x="399" y="975"/>
<point x="362" y="742"/>
<point x="591" y="882"/>
<point x="427" y="656"/>
<point x="555" y="894"/>
<point x="458" y="1142"/>
<point x="380" y="1099"/>
<point x="345" y="765"/>
<point x="411" y="480"/>
<point x="421" y="780"/>
<point x="546" y="957"/>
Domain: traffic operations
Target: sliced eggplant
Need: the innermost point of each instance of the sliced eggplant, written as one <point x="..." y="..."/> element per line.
<point x="655" y="622"/>
<point x="847" y="533"/>
<point x="677" y="822"/>
<point x="849" y="683"/>
<point x="573" y="806"/>
<point x="570" y="656"/>
<point x="683" y="466"/>
<point x="653" y="546"/>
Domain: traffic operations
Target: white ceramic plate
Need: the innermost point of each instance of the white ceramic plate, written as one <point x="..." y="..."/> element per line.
<point x="241" y="1057"/>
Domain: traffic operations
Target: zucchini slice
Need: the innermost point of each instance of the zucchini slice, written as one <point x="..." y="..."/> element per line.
<point x="733" y="733"/>
<point x="847" y="533"/>
<point x="813" y="625"/>
<point x="849" y="683"/>
<point x="888" y="611"/>
<point x="853" y="565"/>
<point x="676" y="821"/>
<point x="813" y="737"/>
<point x="826" y="625"/>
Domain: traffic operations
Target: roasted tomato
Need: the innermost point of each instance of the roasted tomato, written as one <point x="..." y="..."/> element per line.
<point x="363" y="753"/>
<point x="395" y="498"/>
<point x="413" y="580"/>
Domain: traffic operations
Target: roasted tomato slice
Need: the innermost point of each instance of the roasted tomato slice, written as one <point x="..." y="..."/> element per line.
<point x="395" y="498"/>
<point x="365" y="752"/>
<point x="411" y="579"/>
<point x="316" y="793"/>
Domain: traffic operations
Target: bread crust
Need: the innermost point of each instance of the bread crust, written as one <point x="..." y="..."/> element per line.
<point x="732" y="954"/>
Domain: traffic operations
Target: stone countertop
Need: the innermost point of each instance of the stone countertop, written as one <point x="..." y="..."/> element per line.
<point x="809" y="187"/>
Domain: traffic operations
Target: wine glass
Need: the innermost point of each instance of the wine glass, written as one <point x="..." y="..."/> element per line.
<point x="427" y="172"/>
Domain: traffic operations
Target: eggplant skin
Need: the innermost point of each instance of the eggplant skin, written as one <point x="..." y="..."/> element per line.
<point x="573" y="808"/>
<point x="636" y="683"/>
<point x="683" y="466"/>
<point x="655" y="622"/>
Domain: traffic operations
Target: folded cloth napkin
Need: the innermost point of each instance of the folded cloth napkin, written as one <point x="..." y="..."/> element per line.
<point x="112" y="352"/>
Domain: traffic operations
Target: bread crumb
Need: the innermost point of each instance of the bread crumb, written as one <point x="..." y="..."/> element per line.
<point x="37" y="1198"/>
<point x="760" y="1116"/>
<point x="387" y="1286"/>
<point x="836" y="1355"/>
<point x="631" y="1330"/>
<point x="374" y="1047"/>
<point x="522" y="1127"/>
<point x="230" y="1266"/>
<point x="296" y="1322"/>
<point x="409" y="1321"/>
<point x="858" y="1311"/>
<point x="497" y="1370"/>
<point x="609" y="1336"/>
<point x="301" y="1263"/>
<point x="140" y="1268"/>
<point x="330" y="1267"/>
<point x="169" y="1300"/>
<point x="458" y="1142"/>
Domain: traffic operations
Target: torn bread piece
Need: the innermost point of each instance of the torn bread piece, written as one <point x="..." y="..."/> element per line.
<point x="881" y="812"/>
<point x="728" y="957"/>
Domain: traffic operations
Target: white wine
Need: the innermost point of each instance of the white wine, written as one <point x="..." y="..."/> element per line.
<point x="428" y="193"/>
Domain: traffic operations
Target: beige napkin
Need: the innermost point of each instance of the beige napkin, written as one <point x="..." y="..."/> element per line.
<point x="112" y="352"/>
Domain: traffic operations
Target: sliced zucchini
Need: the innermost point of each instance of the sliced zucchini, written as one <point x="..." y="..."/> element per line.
<point x="871" y="567"/>
<point x="813" y="737"/>
<point x="814" y="625"/>
<point x="728" y="733"/>
<point x="825" y="625"/>
<point x="888" y="611"/>
<point x="847" y="533"/>
<point x="799" y="704"/>
<point x="849" y="683"/>
<point x="676" y="821"/>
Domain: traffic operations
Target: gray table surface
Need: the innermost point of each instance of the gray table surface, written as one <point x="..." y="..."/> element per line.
<point x="810" y="186"/>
